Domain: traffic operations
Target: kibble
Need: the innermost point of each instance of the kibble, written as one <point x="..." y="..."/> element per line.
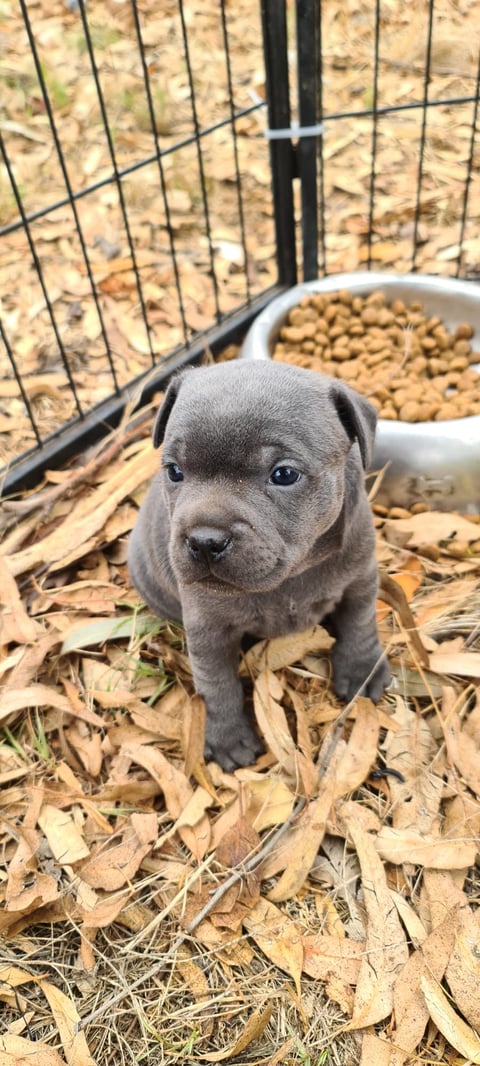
<point x="411" y="367"/>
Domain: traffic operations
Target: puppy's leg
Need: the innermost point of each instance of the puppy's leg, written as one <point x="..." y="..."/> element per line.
<point x="359" y="663"/>
<point x="214" y="655"/>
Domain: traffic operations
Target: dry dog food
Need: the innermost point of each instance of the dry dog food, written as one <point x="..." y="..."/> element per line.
<point x="408" y="364"/>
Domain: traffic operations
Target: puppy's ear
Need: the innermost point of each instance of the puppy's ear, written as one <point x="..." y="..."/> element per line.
<point x="164" y="412"/>
<point x="358" y="418"/>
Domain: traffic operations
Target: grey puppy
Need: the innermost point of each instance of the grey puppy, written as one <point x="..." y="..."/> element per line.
<point x="258" y="523"/>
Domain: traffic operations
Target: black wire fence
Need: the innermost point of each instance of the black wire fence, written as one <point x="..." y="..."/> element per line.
<point x="166" y="169"/>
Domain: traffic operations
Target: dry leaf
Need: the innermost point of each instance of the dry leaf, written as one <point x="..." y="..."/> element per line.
<point x="278" y="936"/>
<point x="74" y="536"/>
<point x="113" y="866"/>
<point x="461" y="746"/>
<point x="327" y="956"/>
<point x="44" y="696"/>
<point x="17" y="1051"/>
<point x="386" y="948"/>
<point x="16" y="626"/>
<point x="432" y="527"/>
<point x="405" y="845"/>
<point x="66" y="1018"/>
<point x="463" y="970"/>
<point x="375" y="1051"/>
<point x="269" y="802"/>
<point x="464" y="663"/>
<point x="361" y="751"/>
<point x="450" y="1024"/>
<point x="411" y="1014"/>
<point x="280" y="652"/>
<point x="27" y="887"/>
<point x="253" y="1029"/>
<point x="348" y="767"/>
<point x="272" y="720"/>
<point x="177" y="791"/>
<point x="65" y="839"/>
<point x="296" y="854"/>
<point x="411" y="750"/>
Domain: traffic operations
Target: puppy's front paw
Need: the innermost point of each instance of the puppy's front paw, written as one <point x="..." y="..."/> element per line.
<point x="354" y="676"/>
<point x="231" y="743"/>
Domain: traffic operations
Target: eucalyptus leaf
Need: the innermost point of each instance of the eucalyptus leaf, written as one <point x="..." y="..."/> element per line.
<point x="101" y="630"/>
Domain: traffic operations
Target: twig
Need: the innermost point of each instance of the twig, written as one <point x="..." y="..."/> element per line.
<point x="237" y="875"/>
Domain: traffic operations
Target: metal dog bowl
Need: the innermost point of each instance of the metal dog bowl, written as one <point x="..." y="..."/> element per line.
<point x="437" y="463"/>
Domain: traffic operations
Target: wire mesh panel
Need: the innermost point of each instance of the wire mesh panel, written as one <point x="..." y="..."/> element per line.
<point x="395" y="178"/>
<point x="135" y="200"/>
<point x="144" y="213"/>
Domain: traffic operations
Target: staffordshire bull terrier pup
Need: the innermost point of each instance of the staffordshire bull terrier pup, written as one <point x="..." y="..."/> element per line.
<point x="258" y="523"/>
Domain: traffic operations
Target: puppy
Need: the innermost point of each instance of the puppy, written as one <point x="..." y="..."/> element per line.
<point x="258" y="523"/>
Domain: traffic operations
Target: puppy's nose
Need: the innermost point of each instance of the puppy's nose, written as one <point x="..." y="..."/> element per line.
<point x="206" y="543"/>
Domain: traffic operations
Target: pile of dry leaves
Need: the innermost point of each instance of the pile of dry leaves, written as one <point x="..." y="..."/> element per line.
<point x="318" y="907"/>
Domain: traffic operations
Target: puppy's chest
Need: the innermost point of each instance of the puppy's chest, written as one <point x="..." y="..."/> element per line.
<point x="278" y="615"/>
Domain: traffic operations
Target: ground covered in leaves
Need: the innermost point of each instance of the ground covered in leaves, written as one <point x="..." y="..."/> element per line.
<point x="318" y="907"/>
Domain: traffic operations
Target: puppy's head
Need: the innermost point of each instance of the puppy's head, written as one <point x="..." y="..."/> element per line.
<point x="261" y="462"/>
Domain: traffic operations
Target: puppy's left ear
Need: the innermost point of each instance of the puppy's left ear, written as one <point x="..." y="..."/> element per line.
<point x="358" y="418"/>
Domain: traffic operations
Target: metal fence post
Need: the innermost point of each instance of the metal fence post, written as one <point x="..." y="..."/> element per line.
<point x="282" y="156"/>
<point x="307" y="12"/>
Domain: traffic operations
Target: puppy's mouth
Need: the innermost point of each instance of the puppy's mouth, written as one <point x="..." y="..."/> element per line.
<point x="230" y="586"/>
<point x="213" y="584"/>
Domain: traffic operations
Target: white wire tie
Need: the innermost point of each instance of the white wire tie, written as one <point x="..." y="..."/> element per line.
<point x="295" y="130"/>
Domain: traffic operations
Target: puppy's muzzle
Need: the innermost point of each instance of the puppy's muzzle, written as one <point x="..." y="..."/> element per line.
<point x="207" y="544"/>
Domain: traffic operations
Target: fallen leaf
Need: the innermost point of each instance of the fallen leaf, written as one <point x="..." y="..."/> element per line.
<point x="278" y="936"/>
<point x="100" y="630"/>
<point x="114" y="865"/>
<point x="16" y="625"/>
<point x="361" y="750"/>
<point x="66" y="1018"/>
<point x="65" y="839"/>
<point x="463" y="970"/>
<point x="269" y="802"/>
<point x="432" y="527"/>
<point x="405" y="845"/>
<point x="461" y="746"/>
<point x="18" y="1051"/>
<point x="450" y="1024"/>
<point x="296" y="854"/>
<point x="410" y="750"/>
<point x="177" y="791"/>
<point x="252" y="1030"/>
<point x="27" y="887"/>
<point x="280" y="652"/>
<point x="464" y="663"/>
<point x="326" y="956"/>
<point x="272" y="720"/>
<point x="386" y="948"/>
<point x="375" y="1051"/>
<point x="87" y="518"/>
<point x="38" y="695"/>
<point x="411" y="1014"/>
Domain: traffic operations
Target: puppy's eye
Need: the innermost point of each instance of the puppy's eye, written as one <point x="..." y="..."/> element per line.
<point x="284" y="476"/>
<point x="174" y="473"/>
